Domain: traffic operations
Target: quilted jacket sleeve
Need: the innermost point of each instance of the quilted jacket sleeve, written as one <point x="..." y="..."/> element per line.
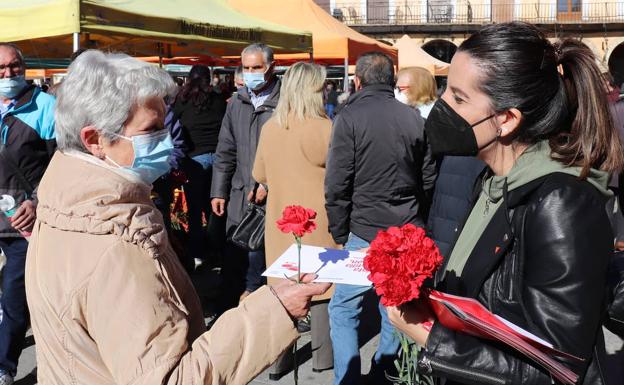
<point x="141" y="328"/>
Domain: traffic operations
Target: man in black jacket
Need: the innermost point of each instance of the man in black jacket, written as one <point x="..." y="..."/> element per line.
<point x="232" y="182"/>
<point x="379" y="173"/>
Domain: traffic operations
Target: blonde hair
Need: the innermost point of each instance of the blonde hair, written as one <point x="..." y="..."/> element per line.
<point x="301" y="94"/>
<point x="422" y="85"/>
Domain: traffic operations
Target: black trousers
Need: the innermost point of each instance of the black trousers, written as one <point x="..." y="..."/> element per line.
<point x="15" y="314"/>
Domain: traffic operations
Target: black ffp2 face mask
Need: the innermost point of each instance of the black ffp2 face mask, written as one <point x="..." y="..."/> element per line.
<point x="450" y="134"/>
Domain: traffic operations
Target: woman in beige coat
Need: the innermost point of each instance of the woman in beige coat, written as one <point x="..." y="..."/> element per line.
<point x="109" y="301"/>
<point x="290" y="160"/>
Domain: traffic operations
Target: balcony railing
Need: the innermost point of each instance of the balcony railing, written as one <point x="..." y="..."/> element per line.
<point x="465" y="12"/>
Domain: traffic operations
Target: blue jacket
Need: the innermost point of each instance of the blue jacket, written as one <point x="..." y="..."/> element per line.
<point x="28" y="139"/>
<point x="179" y="146"/>
<point x="452" y="199"/>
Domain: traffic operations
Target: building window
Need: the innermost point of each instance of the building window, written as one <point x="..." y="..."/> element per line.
<point x="569" y="9"/>
<point x="440" y="11"/>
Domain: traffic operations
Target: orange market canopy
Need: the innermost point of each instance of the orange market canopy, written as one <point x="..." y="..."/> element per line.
<point x="333" y="41"/>
<point x="412" y="55"/>
<point x="169" y="28"/>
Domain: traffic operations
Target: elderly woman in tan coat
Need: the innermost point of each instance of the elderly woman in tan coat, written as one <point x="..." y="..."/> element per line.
<point x="290" y="160"/>
<point x="109" y="301"/>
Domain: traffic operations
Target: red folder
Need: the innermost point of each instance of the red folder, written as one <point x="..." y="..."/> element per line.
<point x="467" y="315"/>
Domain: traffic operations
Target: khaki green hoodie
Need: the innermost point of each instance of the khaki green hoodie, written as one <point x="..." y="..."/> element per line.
<point x="534" y="163"/>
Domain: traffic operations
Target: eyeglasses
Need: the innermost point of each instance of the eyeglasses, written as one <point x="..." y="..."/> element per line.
<point x="15" y="66"/>
<point x="401" y="88"/>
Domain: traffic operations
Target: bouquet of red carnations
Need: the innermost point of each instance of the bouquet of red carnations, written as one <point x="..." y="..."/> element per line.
<point x="399" y="260"/>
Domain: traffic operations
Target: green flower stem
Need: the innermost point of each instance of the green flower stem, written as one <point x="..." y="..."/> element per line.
<point x="405" y="364"/>
<point x="298" y="240"/>
<point x="295" y="363"/>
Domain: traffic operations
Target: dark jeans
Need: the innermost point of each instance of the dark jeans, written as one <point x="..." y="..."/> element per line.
<point x="257" y="264"/>
<point x="197" y="189"/>
<point x="242" y="270"/>
<point x="14" y="309"/>
<point x="329" y="109"/>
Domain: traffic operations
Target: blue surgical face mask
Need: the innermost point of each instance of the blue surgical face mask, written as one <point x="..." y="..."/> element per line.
<point x="254" y="80"/>
<point x="11" y="87"/>
<point x="151" y="154"/>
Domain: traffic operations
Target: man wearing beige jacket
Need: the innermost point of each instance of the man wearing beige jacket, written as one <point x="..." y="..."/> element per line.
<point x="109" y="301"/>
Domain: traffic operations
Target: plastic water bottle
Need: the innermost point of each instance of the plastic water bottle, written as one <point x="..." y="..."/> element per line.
<point x="8" y="207"/>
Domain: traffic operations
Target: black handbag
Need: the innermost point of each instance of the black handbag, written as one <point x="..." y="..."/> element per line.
<point x="249" y="234"/>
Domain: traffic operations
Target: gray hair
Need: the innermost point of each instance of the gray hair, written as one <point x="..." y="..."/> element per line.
<point x="18" y="52"/>
<point x="267" y="52"/>
<point x="100" y="90"/>
<point x="375" y="68"/>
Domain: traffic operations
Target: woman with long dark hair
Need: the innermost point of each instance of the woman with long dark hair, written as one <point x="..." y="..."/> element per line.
<point x="200" y="111"/>
<point x="536" y="245"/>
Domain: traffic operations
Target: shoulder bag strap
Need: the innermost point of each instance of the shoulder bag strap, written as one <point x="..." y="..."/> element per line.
<point x="255" y="190"/>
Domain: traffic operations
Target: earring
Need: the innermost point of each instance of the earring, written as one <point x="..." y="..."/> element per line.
<point x="499" y="132"/>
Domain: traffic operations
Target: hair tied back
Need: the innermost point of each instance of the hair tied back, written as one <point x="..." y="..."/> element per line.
<point x="558" y="52"/>
<point x="558" y="57"/>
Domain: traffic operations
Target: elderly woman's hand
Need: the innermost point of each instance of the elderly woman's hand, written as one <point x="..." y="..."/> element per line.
<point x="295" y="297"/>
<point x="410" y="319"/>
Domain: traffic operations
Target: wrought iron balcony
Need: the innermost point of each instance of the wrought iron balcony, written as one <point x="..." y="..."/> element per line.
<point x="406" y="12"/>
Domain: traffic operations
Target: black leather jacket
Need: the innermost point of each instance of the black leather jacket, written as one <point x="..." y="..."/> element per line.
<point x="542" y="264"/>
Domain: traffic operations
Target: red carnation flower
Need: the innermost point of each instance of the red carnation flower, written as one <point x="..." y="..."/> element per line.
<point x="297" y="220"/>
<point x="399" y="260"/>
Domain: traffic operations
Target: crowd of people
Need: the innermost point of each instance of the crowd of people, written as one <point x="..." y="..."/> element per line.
<point x="512" y="171"/>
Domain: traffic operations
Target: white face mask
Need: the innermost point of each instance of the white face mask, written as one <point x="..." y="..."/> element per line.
<point x="400" y="96"/>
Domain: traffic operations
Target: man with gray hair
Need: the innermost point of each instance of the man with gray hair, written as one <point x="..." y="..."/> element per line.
<point x="232" y="182"/>
<point x="379" y="174"/>
<point x="26" y="146"/>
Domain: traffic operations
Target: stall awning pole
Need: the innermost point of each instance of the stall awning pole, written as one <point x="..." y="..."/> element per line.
<point x="76" y="46"/>
<point x="346" y="75"/>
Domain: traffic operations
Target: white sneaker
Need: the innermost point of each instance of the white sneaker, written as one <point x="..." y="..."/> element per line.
<point x="5" y="378"/>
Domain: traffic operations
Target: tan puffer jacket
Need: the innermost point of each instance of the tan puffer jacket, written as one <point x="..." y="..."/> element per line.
<point x="111" y="304"/>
